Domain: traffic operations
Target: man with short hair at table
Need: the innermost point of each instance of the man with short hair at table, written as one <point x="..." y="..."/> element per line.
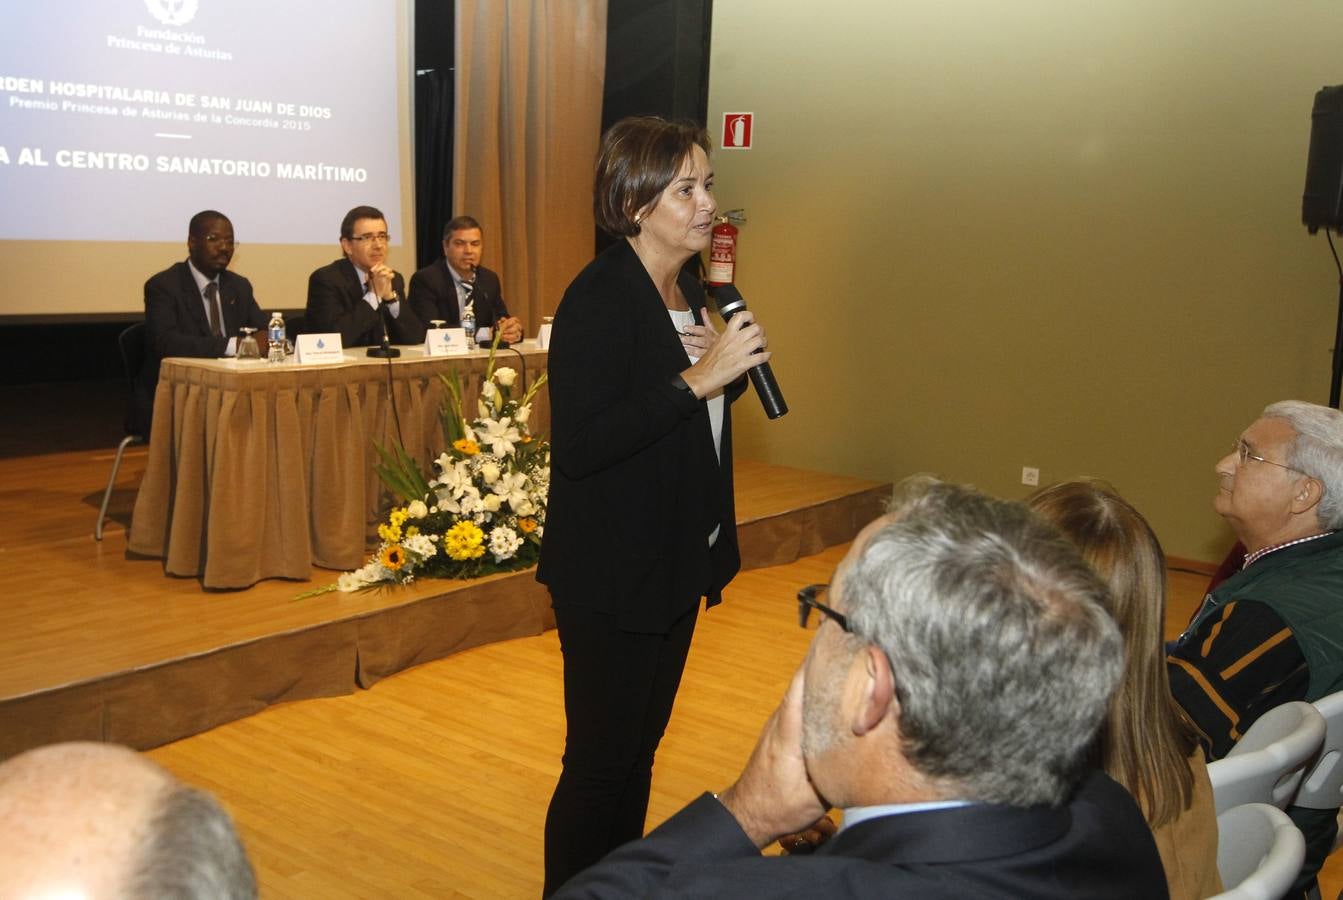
<point x="1273" y="631"/>
<point x="359" y="295"/>
<point x="962" y="664"/>
<point x="90" y="820"/>
<point x="196" y="308"/>
<point x="442" y="289"/>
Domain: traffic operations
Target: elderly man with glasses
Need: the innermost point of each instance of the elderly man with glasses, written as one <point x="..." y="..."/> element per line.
<point x="1273" y="631"/>
<point x="961" y="665"/>
<point x="359" y="295"/>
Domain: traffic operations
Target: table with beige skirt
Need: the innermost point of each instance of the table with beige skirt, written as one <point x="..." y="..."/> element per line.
<point x="263" y="470"/>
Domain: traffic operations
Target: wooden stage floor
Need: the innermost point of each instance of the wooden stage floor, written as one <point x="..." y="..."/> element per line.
<point x="96" y="645"/>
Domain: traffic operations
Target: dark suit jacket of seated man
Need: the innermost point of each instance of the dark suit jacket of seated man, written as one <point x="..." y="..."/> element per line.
<point x="959" y="759"/>
<point x="342" y="294"/>
<point x="176" y="320"/>
<point x="434" y="295"/>
<point x="336" y="303"/>
<point x="437" y="291"/>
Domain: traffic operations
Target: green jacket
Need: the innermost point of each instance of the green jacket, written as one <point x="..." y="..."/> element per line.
<point x="1304" y="586"/>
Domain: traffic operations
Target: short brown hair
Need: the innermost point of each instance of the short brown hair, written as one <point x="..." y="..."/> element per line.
<point x="639" y="157"/>
<point x="354" y="215"/>
<point x="461" y="223"/>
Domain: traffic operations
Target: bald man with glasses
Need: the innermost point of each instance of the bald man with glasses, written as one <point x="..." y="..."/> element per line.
<point x="1273" y="631"/>
<point x="359" y="294"/>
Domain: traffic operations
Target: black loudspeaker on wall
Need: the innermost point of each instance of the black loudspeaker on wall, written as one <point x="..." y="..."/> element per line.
<point x="1322" y="201"/>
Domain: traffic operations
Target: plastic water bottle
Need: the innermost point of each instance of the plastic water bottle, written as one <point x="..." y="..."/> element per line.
<point x="275" y="337"/>
<point x="469" y="326"/>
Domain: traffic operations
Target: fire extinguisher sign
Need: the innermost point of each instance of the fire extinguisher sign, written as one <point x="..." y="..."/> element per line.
<point x="737" y="127"/>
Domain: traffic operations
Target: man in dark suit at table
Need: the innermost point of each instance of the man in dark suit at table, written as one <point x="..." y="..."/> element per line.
<point x="442" y="289"/>
<point x="961" y="666"/>
<point x="195" y="308"/>
<point x="360" y="295"/>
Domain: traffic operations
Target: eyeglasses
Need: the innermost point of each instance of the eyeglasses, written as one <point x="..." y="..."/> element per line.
<point x="806" y="602"/>
<point x="222" y="239"/>
<point x="1242" y="451"/>
<point x="378" y="237"/>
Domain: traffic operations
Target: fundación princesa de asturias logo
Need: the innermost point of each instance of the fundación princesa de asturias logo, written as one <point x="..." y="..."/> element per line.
<point x="173" y="12"/>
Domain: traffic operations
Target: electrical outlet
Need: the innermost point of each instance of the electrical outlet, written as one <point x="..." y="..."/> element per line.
<point x="1030" y="476"/>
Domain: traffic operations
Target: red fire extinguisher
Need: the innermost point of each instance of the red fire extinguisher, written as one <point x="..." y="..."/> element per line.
<point x="723" y="248"/>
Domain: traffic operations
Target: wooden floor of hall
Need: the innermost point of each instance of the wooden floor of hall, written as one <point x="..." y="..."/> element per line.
<point x="435" y="782"/>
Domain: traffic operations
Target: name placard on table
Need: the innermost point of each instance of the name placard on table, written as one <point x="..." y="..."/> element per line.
<point x="445" y="342"/>
<point x="310" y="349"/>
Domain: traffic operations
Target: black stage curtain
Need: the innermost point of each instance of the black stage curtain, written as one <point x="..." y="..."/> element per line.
<point x="433" y="161"/>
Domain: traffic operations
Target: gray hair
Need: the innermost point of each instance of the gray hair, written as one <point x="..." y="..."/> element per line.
<point x="1002" y="653"/>
<point x="192" y="851"/>
<point x="1317" y="451"/>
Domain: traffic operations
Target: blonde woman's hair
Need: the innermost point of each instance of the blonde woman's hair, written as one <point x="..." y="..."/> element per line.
<point x="1145" y="741"/>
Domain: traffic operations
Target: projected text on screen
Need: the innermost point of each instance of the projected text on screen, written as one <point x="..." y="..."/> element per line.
<point x="120" y="118"/>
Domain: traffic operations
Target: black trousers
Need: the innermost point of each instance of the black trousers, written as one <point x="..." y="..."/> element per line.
<point x="619" y="687"/>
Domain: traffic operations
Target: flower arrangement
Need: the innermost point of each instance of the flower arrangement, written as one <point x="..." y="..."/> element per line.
<point x="485" y="509"/>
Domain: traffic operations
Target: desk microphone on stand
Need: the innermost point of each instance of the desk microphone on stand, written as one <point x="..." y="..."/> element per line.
<point x="385" y="350"/>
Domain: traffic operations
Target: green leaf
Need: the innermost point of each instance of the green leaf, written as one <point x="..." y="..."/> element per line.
<point x="450" y="411"/>
<point x="399" y="471"/>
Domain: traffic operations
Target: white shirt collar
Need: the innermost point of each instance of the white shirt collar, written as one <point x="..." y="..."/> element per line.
<point x="862" y="813"/>
<point x="200" y="277"/>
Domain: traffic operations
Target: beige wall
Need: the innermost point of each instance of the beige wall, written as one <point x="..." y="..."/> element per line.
<point x="1056" y="233"/>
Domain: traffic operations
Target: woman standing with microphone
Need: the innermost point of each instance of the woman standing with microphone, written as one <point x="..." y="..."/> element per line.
<point x="640" y="522"/>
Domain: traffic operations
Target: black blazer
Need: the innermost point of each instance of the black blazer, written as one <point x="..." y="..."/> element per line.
<point x="176" y="324"/>
<point x="1097" y="846"/>
<point x="336" y="303"/>
<point x="635" y="487"/>
<point x="434" y="296"/>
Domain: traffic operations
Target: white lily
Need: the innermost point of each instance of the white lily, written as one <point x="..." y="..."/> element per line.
<point x="500" y="435"/>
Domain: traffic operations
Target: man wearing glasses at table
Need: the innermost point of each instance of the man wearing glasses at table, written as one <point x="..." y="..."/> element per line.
<point x="1273" y="631"/>
<point x="961" y="665"/>
<point x="359" y="295"/>
<point x="196" y="308"/>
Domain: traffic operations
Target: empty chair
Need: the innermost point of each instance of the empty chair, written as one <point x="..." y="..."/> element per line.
<point x="131" y="342"/>
<point x="1267" y="764"/>
<point x="1259" y="852"/>
<point x="1322" y="786"/>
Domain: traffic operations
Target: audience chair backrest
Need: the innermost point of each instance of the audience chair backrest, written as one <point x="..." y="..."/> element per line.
<point x="1259" y="852"/>
<point x="1267" y="764"/>
<point x="1322" y="787"/>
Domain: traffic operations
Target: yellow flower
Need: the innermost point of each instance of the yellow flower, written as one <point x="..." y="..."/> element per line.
<point x="412" y="531"/>
<point x="464" y="541"/>
<point x="393" y="557"/>
<point x="526" y="525"/>
<point x="466" y="446"/>
<point x="391" y="532"/>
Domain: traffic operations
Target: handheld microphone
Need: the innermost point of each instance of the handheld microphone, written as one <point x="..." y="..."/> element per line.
<point x="730" y="302"/>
